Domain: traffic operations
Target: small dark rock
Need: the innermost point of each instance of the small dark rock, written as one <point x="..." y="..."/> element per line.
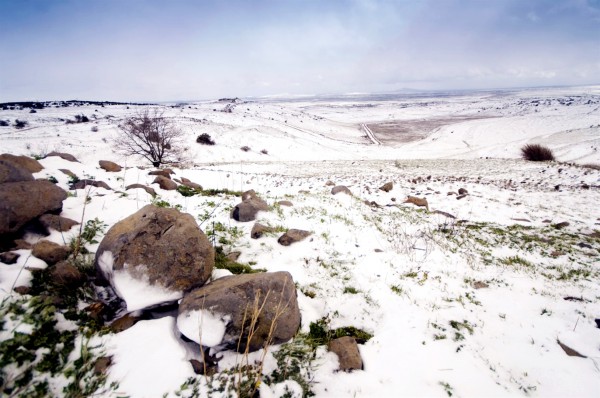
<point x="258" y="230"/>
<point x="61" y="224"/>
<point x="123" y="323"/>
<point x="341" y="189"/>
<point x="292" y="236"/>
<point x="9" y="257"/>
<point x="101" y="365"/>
<point x="561" y="225"/>
<point x="387" y="187"/>
<point x="347" y="351"/>
<point x="462" y="191"/>
<point x="65" y="156"/>
<point x="66" y="275"/>
<point x="50" y="252"/>
<point x="82" y="184"/>
<point x="22" y="289"/>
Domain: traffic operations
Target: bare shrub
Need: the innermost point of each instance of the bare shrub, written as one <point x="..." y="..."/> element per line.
<point x="205" y="139"/>
<point x="150" y="135"/>
<point x="20" y="124"/>
<point x="537" y="153"/>
<point x="4" y="123"/>
<point x="245" y="148"/>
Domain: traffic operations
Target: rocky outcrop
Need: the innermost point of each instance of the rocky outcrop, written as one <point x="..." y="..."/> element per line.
<point x="12" y="172"/>
<point x="292" y="236"/>
<point x="151" y="191"/>
<point x="31" y="165"/>
<point x="62" y="155"/>
<point x="157" y="253"/>
<point x="341" y="189"/>
<point x="251" y="204"/>
<point x="42" y="197"/>
<point x="50" y="252"/>
<point x="109" y="166"/>
<point x="58" y="223"/>
<point x="165" y="183"/>
<point x="226" y="306"/>
<point x="347" y="352"/>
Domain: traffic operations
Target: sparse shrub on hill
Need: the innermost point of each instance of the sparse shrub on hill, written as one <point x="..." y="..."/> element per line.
<point x="245" y="148"/>
<point x="537" y="153"/>
<point x="150" y="135"/>
<point x="205" y="139"/>
<point x="20" y="123"/>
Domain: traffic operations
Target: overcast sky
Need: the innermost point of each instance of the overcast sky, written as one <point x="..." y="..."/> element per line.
<point x="151" y="50"/>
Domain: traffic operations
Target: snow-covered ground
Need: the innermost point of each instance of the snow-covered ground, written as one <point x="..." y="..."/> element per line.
<point x="467" y="306"/>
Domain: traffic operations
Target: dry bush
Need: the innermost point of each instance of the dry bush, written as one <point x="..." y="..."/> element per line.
<point x="537" y="153"/>
<point x="245" y="148"/>
<point x="150" y="135"/>
<point x="205" y="139"/>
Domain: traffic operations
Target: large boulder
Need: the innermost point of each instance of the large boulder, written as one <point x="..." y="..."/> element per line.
<point x="23" y="201"/>
<point x="109" y="166"/>
<point x="251" y="204"/>
<point x="153" y="256"/>
<point x="12" y="172"/>
<point x="32" y="165"/>
<point x="219" y="314"/>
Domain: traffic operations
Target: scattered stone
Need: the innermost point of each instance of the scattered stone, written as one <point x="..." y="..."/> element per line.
<point x="557" y="253"/>
<point x="58" y="223"/>
<point x="12" y="172"/>
<point x="165" y="183"/>
<point x="123" y="323"/>
<point x="62" y="155"/>
<point x="200" y="369"/>
<point x="102" y="364"/>
<point x="329" y="183"/>
<point x="50" y="252"/>
<point x="22" y="290"/>
<point x="584" y="245"/>
<point x="164" y="172"/>
<point x="443" y="213"/>
<point x="82" y="184"/>
<point x="347" y="351"/>
<point x="158" y="247"/>
<point x="585" y="186"/>
<point x="229" y="301"/>
<point x="9" y="257"/>
<point x="387" y="187"/>
<point x="68" y="172"/>
<point x="422" y="202"/>
<point x="151" y="191"/>
<point x="249" y="207"/>
<point x="42" y="197"/>
<point x="30" y="164"/>
<point x="451" y="193"/>
<point x="66" y="275"/>
<point x="378" y="251"/>
<point x="109" y="166"/>
<point x="561" y="225"/>
<point x="188" y="183"/>
<point x="285" y="203"/>
<point x="341" y="189"/>
<point x="21" y="244"/>
<point x="569" y="351"/>
<point x="597" y="320"/>
<point x="233" y="256"/>
<point x="459" y="197"/>
<point x="258" y="230"/>
<point x="480" y="285"/>
<point x="462" y="191"/>
<point x="293" y="236"/>
<point x="557" y="187"/>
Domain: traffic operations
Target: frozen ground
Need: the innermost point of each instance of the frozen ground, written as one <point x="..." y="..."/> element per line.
<point x="468" y="306"/>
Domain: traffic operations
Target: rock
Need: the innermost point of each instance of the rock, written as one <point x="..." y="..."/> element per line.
<point x="164" y="172"/>
<point x="250" y="194"/>
<point x="480" y="285"/>
<point x="258" y="230"/>
<point x="233" y="256"/>
<point x="66" y="275"/>
<point x="65" y="156"/>
<point x="340" y="189"/>
<point x="378" y="251"/>
<point x="347" y="351"/>
<point x="292" y="236"/>
<point x="422" y="202"/>
<point x="159" y="250"/>
<point x="68" y="172"/>
<point x="225" y="306"/>
<point x="165" y="183"/>
<point x="109" y="166"/>
<point x="248" y="208"/>
<point x="123" y="323"/>
<point x="329" y="183"/>
<point x="459" y="197"/>
<point x="58" y="223"/>
<point x="151" y="191"/>
<point x="285" y="203"/>
<point x="31" y="165"/>
<point x="82" y="184"/>
<point x="50" y="252"/>
<point x="569" y="351"/>
<point x="22" y="289"/>
<point x="387" y="187"/>
<point x="21" y="244"/>
<point x="9" y="257"/>
<point x="462" y="191"/>
<point x="42" y="197"/>
<point x="188" y="183"/>
<point x="101" y="365"/>
<point x="561" y="225"/>
<point x="12" y="172"/>
<point x="443" y="213"/>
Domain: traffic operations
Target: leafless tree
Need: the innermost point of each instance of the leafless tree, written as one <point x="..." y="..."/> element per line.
<point x="150" y="135"/>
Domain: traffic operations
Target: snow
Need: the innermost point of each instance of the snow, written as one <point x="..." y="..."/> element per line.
<point x="413" y="282"/>
<point x="205" y="327"/>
